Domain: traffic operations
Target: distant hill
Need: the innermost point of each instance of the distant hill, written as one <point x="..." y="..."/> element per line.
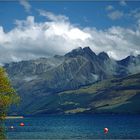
<point x="41" y="83"/>
<point x="121" y="95"/>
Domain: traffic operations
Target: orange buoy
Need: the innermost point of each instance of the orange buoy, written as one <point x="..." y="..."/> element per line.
<point x="105" y="130"/>
<point x="21" y="124"/>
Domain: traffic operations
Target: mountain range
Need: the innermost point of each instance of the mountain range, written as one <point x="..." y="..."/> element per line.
<point x="79" y="81"/>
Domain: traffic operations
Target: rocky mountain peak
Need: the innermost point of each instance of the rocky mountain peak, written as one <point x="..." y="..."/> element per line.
<point x="126" y="61"/>
<point x="103" y="56"/>
<point x="75" y="52"/>
<point x="36" y="79"/>
<point x="88" y="51"/>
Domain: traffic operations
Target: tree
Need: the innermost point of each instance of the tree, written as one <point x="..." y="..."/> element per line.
<point x="8" y="95"/>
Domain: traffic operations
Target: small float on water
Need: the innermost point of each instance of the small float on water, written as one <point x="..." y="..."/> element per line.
<point x="12" y="127"/>
<point x="21" y="124"/>
<point x="105" y="130"/>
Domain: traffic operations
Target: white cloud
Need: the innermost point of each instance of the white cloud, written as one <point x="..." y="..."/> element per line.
<point x="135" y="13"/>
<point x="26" y="5"/>
<point x="114" y="15"/>
<point x="109" y="8"/>
<point x="52" y="16"/>
<point x="85" y="19"/>
<point x="123" y="3"/>
<point x="30" y="39"/>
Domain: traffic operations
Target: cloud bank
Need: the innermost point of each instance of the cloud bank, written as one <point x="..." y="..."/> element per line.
<point x="26" y="5"/>
<point x="115" y="15"/>
<point x="57" y="35"/>
<point x="123" y="3"/>
<point x="109" y="8"/>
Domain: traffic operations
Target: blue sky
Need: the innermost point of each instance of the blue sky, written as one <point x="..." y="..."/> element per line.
<point x="92" y="13"/>
<point x="32" y="29"/>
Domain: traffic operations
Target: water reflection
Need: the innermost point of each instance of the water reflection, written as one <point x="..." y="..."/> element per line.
<point x="2" y="129"/>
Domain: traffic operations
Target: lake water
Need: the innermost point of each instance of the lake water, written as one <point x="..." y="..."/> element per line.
<point x="75" y="127"/>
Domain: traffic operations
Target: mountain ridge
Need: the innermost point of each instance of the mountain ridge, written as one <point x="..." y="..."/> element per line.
<point x="119" y="95"/>
<point x="80" y="67"/>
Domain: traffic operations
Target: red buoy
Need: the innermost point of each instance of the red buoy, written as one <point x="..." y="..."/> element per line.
<point x="105" y="130"/>
<point x="21" y="124"/>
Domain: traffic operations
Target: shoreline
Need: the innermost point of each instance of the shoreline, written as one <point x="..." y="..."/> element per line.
<point x="14" y="117"/>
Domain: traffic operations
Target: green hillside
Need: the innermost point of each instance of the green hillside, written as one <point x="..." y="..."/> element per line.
<point x="121" y="95"/>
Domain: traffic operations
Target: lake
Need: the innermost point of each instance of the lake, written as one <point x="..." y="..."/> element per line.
<point x="75" y="127"/>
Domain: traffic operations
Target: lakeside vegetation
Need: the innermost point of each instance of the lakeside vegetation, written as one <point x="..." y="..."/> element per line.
<point x="8" y="97"/>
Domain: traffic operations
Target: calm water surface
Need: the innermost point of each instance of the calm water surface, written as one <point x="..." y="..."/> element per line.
<point x="75" y="127"/>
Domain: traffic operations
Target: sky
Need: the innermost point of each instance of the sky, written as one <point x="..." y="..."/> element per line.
<point x="33" y="29"/>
